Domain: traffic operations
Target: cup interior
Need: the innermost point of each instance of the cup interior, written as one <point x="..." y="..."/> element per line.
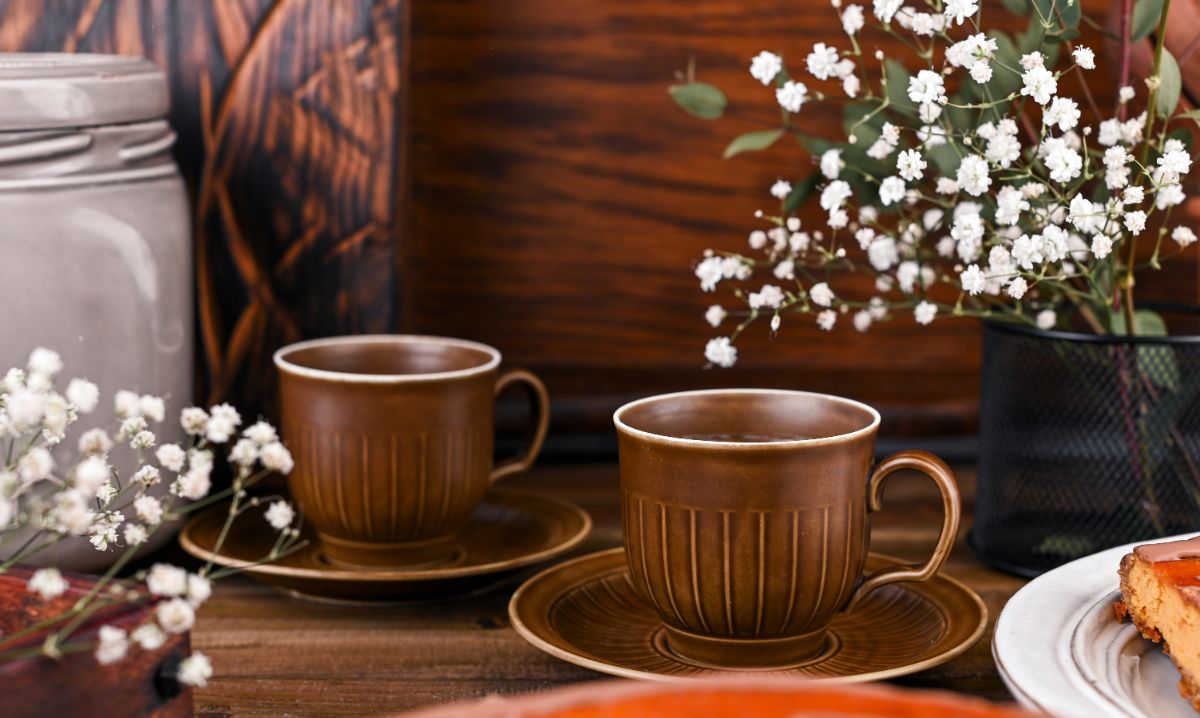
<point x="394" y="356"/>
<point x="747" y="416"/>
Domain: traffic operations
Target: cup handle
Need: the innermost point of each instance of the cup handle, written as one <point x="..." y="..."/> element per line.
<point x="540" y="402"/>
<point x="936" y="469"/>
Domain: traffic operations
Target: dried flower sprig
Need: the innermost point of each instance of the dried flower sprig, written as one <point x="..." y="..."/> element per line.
<point x="43" y="504"/>
<point x="974" y="187"/>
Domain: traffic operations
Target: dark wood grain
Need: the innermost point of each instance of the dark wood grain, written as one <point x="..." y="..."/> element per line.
<point x="292" y="137"/>
<point x="275" y="655"/>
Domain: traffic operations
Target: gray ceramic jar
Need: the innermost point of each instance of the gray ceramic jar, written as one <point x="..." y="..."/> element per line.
<point x="95" y="235"/>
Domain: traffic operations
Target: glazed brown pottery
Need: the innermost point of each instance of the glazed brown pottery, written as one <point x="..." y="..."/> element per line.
<point x="509" y="530"/>
<point x="745" y="517"/>
<point x="587" y="611"/>
<point x="393" y="436"/>
<point x="725" y="697"/>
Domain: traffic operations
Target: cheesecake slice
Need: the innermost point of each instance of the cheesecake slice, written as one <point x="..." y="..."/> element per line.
<point x="1160" y="593"/>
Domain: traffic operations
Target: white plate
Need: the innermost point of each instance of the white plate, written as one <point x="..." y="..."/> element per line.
<point x="1060" y="649"/>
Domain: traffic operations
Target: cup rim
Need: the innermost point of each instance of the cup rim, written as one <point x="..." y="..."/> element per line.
<point x="283" y="364"/>
<point x="781" y="443"/>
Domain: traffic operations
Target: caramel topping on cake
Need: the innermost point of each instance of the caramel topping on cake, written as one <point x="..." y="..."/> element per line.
<point x="1169" y="551"/>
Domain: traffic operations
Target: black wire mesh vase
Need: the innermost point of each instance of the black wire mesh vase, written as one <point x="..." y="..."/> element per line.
<point x="1085" y="442"/>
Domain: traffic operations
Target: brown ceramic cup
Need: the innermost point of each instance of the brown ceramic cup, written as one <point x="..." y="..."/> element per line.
<point x="392" y="437"/>
<point x="746" y="518"/>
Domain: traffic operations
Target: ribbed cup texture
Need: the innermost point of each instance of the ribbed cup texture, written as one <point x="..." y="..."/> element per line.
<point x="391" y="488"/>
<point x="744" y="574"/>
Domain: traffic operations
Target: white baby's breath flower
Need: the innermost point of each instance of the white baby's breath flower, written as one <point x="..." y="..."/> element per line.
<point x="891" y="190"/>
<point x="714" y="315"/>
<point x="171" y="456"/>
<point x="826" y="320"/>
<point x="90" y="474"/>
<point x="142" y="440"/>
<point x="194" y="421"/>
<point x="957" y="11"/>
<point x="721" y="352"/>
<point x="244" y="453"/>
<point x="972" y="279"/>
<point x="148" y="509"/>
<point x="112" y="646"/>
<point x="1046" y="319"/>
<point x="136" y="534"/>
<point x="910" y="165"/>
<point x="149" y="636"/>
<point x="1183" y="236"/>
<point x="1064" y="112"/>
<point x="1017" y="287"/>
<point x="831" y="163"/>
<point x="1064" y="163"/>
<point x="852" y="19"/>
<point x="822" y="61"/>
<point x="946" y="185"/>
<point x="821" y="294"/>
<point x="1125" y="94"/>
<point x="199" y="589"/>
<point x="1084" y="57"/>
<point x="35" y="465"/>
<point x="792" y="95"/>
<point x="835" y="194"/>
<point x="765" y="66"/>
<point x="851" y="85"/>
<point x="95" y="441"/>
<point x="127" y="404"/>
<point x="280" y="513"/>
<point x="175" y="615"/>
<point x="146" y="476"/>
<point x="972" y="176"/>
<point x="769" y="297"/>
<point x="47" y="583"/>
<point x="862" y="320"/>
<point x="195" y="484"/>
<point x="45" y="361"/>
<point x="83" y="395"/>
<point x="926" y="86"/>
<point x="25" y="408"/>
<point x="885" y="10"/>
<point x="195" y="670"/>
<point x="781" y="189"/>
<point x="1102" y="245"/>
<point x="164" y="579"/>
<point x="152" y="407"/>
<point x="1039" y="84"/>
<point x="1135" y="222"/>
<point x="219" y="430"/>
<point x="925" y="312"/>
<point x="260" y="433"/>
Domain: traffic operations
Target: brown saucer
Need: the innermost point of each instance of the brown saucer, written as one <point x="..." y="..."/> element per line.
<point x="586" y="611"/>
<point x="509" y="530"/>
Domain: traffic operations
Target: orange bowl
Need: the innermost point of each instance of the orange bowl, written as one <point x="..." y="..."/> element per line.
<point x="720" y="698"/>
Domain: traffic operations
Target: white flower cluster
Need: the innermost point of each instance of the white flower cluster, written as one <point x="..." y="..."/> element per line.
<point x="85" y="498"/>
<point x="990" y="195"/>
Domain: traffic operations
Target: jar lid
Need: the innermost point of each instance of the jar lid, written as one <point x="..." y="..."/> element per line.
<point x="51" y="90"/>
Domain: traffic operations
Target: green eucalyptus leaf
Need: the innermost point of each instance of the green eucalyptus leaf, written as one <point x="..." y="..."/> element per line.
<point x="699" y="99"/>
<point x="1145" y="18"/>
<point x="753" y="142"/>
<point x="1020" y="8"/>
<point x="944" y="158"/>
<point x="814" y="145"/>
<point x="801" y="192"/>
<point x="1193" y="115"/>
<point x="1004" y="81"/>
<point x="1169" y="81"/>
<point x="1156" y="363"/>
<point x="897" y="87"/>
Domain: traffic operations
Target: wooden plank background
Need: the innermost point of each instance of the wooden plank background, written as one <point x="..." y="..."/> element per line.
<point x="559" y="200"/>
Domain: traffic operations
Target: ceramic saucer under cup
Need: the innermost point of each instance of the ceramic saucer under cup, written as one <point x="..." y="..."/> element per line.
<point x="509" y="530"/>
<point x="587" y="612"/>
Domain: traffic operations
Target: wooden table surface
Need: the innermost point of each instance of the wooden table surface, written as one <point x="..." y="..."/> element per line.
<point x="279" y="656"/>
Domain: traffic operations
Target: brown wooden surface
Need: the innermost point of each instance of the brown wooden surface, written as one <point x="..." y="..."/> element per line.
<point x="275" y="655"/>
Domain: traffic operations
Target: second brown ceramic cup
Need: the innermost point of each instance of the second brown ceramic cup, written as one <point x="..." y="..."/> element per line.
<point x="746" y="518"/>
<point x="392" y="437"/>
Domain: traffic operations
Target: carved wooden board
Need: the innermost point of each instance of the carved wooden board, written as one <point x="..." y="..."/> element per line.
<point x="291" y="122"/>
